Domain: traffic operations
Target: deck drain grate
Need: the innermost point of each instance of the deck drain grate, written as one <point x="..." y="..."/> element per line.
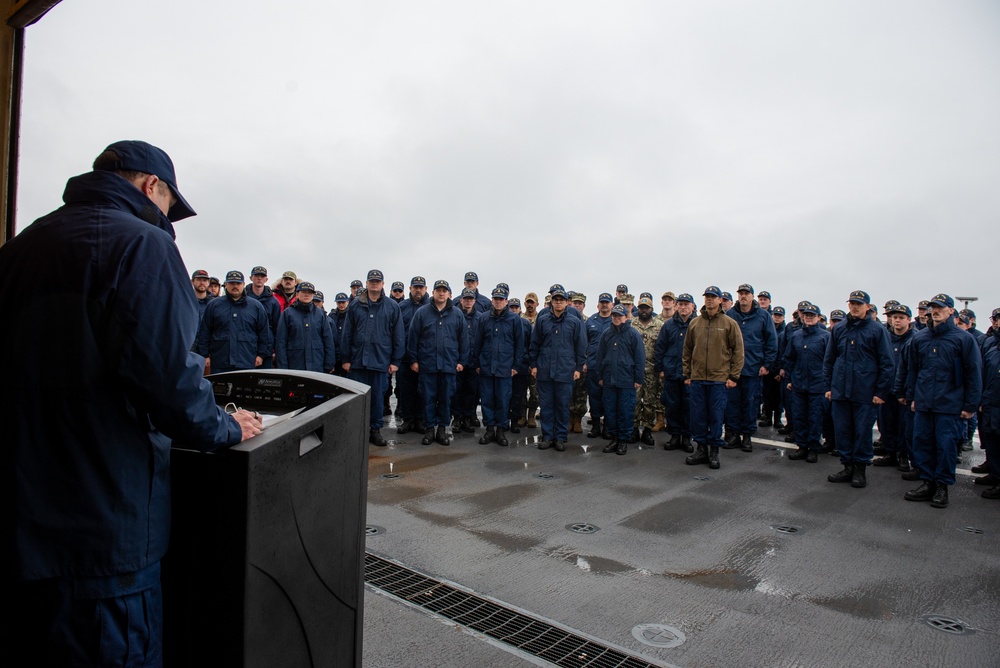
<point x="503" y="624"/>
<point x="948" y="625"/>
<point x="703" y="478"/>
<point x="372" y="530"/>
<point x="975" y="530"/>
<point x="546" y="476"/>
<point x="391" y="476"/>
<point x="787" y="529"/>
<point x="658" y="635"/>
<point x="583" y="527"/>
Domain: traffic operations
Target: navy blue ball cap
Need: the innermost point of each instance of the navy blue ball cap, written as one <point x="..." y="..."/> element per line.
<point x="354" y="284"/>
<point x="441" y="283"/>
<point x="746" y="287"/>
<point x="557" y="286"/>
<point x="685" y="297"/>
<point x="713" y="291"/>
<point x="138" y="156"/>
<point x="621" y="288"/>
<point x="342" y="297"/>
<point x="924" y="304"/>
<point x="765" y="294"/>
<point x="802" y="305"/>
<point x="941" y="299"/>
<point x="500" y="293"/>
<point x="472" y="276"/>
<point x="778" y="310"/>
<point x="468" y="293"/>
<point x="889" y="304"/>
<point x="619" y="309"/>
<point x="375" y="275"/>
<point x="234" y="277"/>
<point x="902" y="309"/>
<point x="258" y="270"/>
<point x="560" y="293"/>
<point x="504" y="286"/>
<point x="996" y="314"/>
<point x="837" y="314"/>
<point x="728" y="296"/>
<point x="318" y="297"/>
<point x="969" y="312"/>
<point x="809" y="308"/>
<point x="605" y="297"/>
<point x="418" y="282"/>
<point x="397" y="285"/>
<point x="514" y="301"/>
<point x="860" y="296"/>
<point x="305" y="285"/>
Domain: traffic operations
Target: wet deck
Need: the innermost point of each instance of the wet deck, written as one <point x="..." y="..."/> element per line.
<point x="849" y="587"/>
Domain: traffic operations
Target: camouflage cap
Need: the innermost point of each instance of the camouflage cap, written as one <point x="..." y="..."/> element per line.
<point x="578" y="297"/>
<point x="530" y="297"/>
<point x="627" y="299"/>
<point x="669" y="295"/>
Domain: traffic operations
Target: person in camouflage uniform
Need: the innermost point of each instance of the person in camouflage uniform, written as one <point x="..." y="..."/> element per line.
<point x="648" y="398"/>
<point x="530" y="314"/>
<point x="578" y="404"/>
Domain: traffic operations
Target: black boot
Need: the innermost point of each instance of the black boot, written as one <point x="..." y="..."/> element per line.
<point x="858" y="479"/>
<point x="891" y="459"/>
<point x="442" y="436"/>
<point x="940" y="499"/>
<point x="732" y="440"/>
<point x="604" y="431"/>
<point x="904" y="463"/>
<point x="634" y="438"/>
<point x="545" y="445"/>
<point x="560" y="446"/>
<point x="375" y="438"/>
<point x="911" y="475"/>
<point x="923" y="493"/>
<point x="514" y="429"/>
<point x="418" y="425"/>
<point x="766" y="420"/>
<point x="622" y="448"/>
<point x="790" y="438"/>
<point x="403" y="427"/>
<point x="502" y="438"/>
<point x="610" y="447"/>
<point x="801" y="453"/>
<point x="428" y="437"/>
<point x="700" y="456"/>
<point x="673" y="443"/>
<point x="488" y="437"/>
<point x="843" y="476"/>
<point x="595" y="428"/>
<point x="747" y="445"/>
<point x="812" y="457"/>
<point x="787" y="429"/>
<point x="713" y="458"/>
<point x="475" y="422"/>
<point x="469" y="425"/>
<point x="646" y="438"/>
<point x="981" y="468"/>
<point x="687" y="444"/>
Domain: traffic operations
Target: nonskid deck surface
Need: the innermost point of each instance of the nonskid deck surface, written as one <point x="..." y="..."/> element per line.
<point x="760" y="563"/>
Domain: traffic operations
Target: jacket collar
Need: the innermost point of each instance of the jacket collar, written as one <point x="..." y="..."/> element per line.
<point x="108" y="188"/>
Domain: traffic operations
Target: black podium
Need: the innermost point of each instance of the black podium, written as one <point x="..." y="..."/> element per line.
<point x="266" y="559"/>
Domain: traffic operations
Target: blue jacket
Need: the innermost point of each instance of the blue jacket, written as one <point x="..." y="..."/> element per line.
<point x="760" y="342"/>
<point x="438" y="340"/>
<point x="899" y="344"/>
<point x="944" y="371"/>
<point x="305" y="340"/>
<point x="202" y="305"/>
<point x="373" y="334"/>
<point x="804" y="357"/>
<point x="270" y="304"/>
<point x="497" y="343"/>
<point x="596" y="325"/>
<point x="99" y="386"/>
<point x="668" y="354"/>
<point x="558" y="347"/>
<point x="337" y="320"/>
<point x="621" y="356"/>
<point x="233" y="333"/>
<point x="989" y="419"/>
<point x="858" y="364"/>
<point x="407" y="308"/>
<point x="522" y="366"/>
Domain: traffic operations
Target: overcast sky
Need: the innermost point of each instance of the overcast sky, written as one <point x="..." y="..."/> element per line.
<point x="808" y="148"/>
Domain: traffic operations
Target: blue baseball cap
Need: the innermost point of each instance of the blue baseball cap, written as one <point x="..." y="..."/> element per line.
<point x="558" y="293"/>
<point x="418" y="282"/>
<point x="557" y="286"/>
<point x="499" y="293"/>
<point x="619" y="309"/>
<point x="341" y="297"/>
<point x="234" y="277"/>
<point x="712" y="290"/>
<point x="941" y="299"/>
<point x="765" y="294"/>
<point x="318" y="297"/>
<point x="837" y="314"/>
<point x="778" y="310"/>
<point x="514" y="301"/>
<point x="746" y="287"/>
<point x="397" y="285"/>
<point x="468" y="293"/>
<point x="809" y="308"/>
<point x="605" y="297"/>
<point x="860" y="296"/>
<point x="472" y="276"/>
<point x="728" y="296"/>
<point x="305" y="285"/>
<point x="375" y="275"/>
<point x="441" y="283"/>
<point x="356" y="283"/>
<point x="138" y="156"/>
<point x="900" y="308"/>
<point x="685" y="297"/>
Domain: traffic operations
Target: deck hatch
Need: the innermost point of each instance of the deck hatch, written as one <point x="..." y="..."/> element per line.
<point x="531" y="635"/>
